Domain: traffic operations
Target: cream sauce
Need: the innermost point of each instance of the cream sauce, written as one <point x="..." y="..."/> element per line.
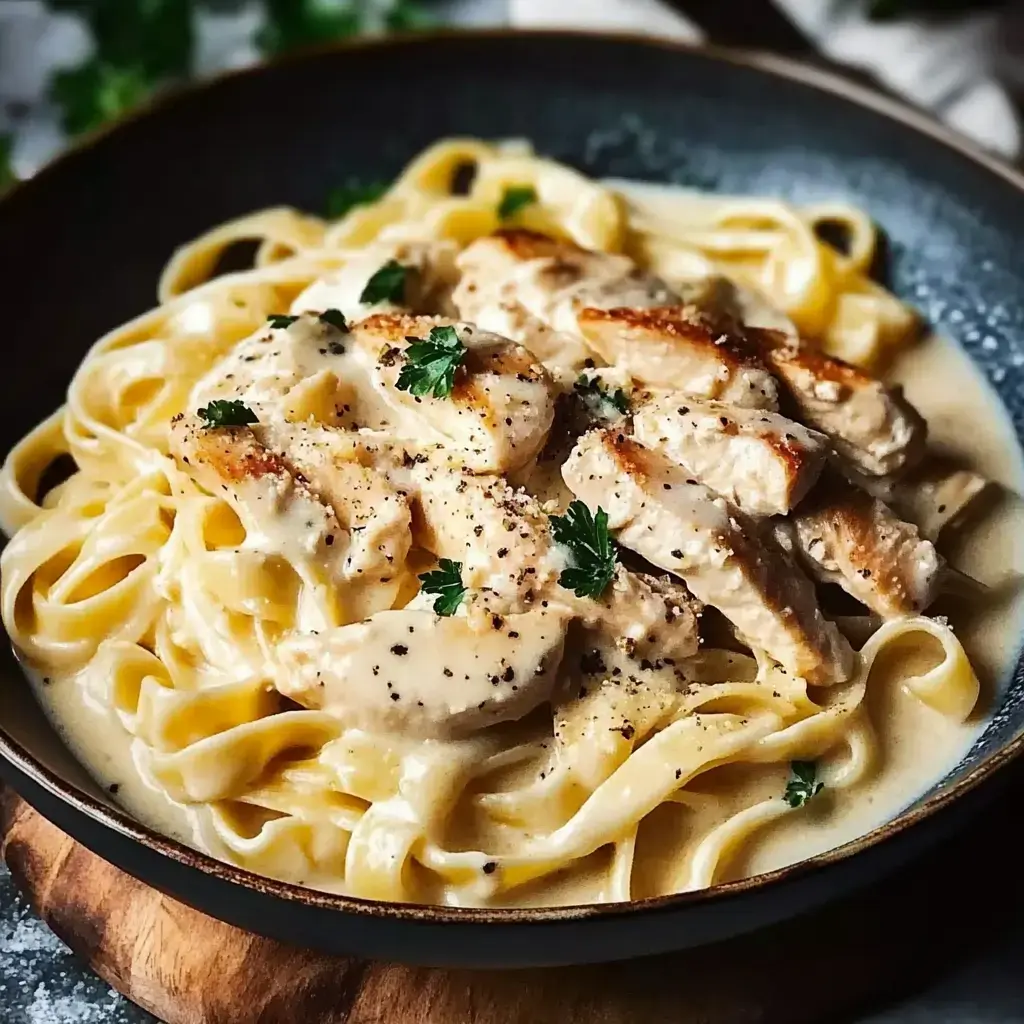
<point x="915" y="744"/>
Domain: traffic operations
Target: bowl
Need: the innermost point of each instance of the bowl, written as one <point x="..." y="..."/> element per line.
<point x="86" y="238"/>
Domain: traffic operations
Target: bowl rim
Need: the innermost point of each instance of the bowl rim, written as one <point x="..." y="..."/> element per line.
<point x="119" y="821"/>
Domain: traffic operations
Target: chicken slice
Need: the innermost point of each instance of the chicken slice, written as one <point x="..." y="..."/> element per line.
<point x="653" y="617"/>
<point x="848" y="537"/>
<point x="303" y="369"/>
<point x="412" y="672"/>
<point x="870" y="423"/>
<point x="502" y="404"/>
<point x="684" y="528"/>
<point x="426" y="286"/>
<point x="339" y="468"/>
<point x="499" y="534"/>
<point x="761" y="461"/>
<point x="530" y="287"/>
<point x="684" y="348"/>
<point x="278" y="509"/>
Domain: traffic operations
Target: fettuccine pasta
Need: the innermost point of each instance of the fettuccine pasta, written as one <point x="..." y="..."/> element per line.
<point x="204" y="626"/>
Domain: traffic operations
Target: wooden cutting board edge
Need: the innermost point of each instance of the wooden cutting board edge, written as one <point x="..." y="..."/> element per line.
<point x="188" y="968"/>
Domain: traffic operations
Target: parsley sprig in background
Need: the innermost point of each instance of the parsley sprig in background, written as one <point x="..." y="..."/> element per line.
<point x="144" y="45"/>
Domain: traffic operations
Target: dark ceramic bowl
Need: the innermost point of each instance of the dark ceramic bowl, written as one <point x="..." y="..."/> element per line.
<point x="84" y="241"/>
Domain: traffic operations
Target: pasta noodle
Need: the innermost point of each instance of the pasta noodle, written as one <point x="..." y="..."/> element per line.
<point x="168" y="608"/>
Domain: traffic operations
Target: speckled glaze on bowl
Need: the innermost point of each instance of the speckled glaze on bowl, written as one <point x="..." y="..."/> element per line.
<point x="84" y="241"/>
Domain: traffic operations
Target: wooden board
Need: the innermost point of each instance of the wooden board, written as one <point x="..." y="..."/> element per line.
<point x="191" y="969"/>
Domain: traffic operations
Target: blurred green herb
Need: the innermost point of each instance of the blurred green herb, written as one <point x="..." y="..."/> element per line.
<point x="141" y="45"/>
<point x="350" y="195"/>
<point x="156" y="36"/>
<point x="386" y="284"/>
<point x="6" y="171"/>
<point x="97" y="92"/>
<point x="515" y="198"/>
<point x="292" y="23"/>
<point x="407" y="16"/>
<point x="281" y="321"/>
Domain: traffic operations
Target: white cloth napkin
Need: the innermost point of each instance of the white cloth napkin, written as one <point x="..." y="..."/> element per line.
<point x="950" y="67"/>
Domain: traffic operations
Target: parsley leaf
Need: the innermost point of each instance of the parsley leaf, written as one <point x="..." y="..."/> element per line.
<point x="335" y="318"/>
<point x="279" y="321"/>
<point x="591" y="551"/>
<point x="446" y="583"/>
<point x="222" y="413"/>
<point x="157" y="35"/>
<point x="803" y="783"/>
<point x="514" y="199"/>
<point x="430" y="365"/>
<point x="387" y="284"/>
<point x="291" y="23"/>
<point x="97" y="92"/>
<point x="350" y="195"/>
<point x="597" y="398"/>
<point x="406" y="16"/>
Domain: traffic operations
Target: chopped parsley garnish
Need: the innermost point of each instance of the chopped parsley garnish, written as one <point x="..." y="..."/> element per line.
<point x="430" y="365"/>
<point x="598" y="398"/>
<point x="514" y="199"/>
<point x="386" y="284"/>
<point x="802" y="783"/>
<point x="591" y="551"/>
<point x="446" y="583"/>
<point x="350" y="195"/>
<point x="222" y="413"/>
<point x="281" y="320"/>
<point x="335" y="318"/>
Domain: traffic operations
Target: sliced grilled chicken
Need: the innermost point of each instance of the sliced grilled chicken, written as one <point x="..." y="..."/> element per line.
<point x="422" y="286"/>
<point x="279" y="510"/>
<point x="411" y="672"/>
<point x="848" y="537"/>
<point x="653" y="617"/>
<point x="684" y="528"/>
<point x="530" y="287"/>
<point x="338" y="467"/>
<point x="499" y="534"/>
<point x="298" y="371"/>
<point x="761" y="461"/>
<point x="514" y="280"/>
<point x="502" y="404"/>
<point x="681" y="347"/>
<point x="870" y="424"/>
